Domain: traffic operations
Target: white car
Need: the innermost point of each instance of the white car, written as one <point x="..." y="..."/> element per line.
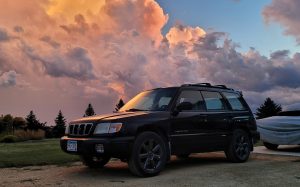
<point x="283" y="129"/>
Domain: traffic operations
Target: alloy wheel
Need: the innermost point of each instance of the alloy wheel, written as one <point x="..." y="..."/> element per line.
<point x="241" y="147"/>
<point x="150" y="154"/>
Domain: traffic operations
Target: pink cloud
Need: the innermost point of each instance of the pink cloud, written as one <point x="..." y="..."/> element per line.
<point x="286" y="13"/>
<point x="8" y="79"/>
<point x="116" y="49"/>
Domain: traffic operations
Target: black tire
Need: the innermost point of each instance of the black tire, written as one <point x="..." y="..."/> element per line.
<point x="270" y="146"/>
<point x="183" y="156"/>
<point x="149" y="155"/>
<point x="94" y="162"/>
<point x="239" y="148"/>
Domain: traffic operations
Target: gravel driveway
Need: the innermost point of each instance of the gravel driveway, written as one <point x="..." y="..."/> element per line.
<point x="209" y="169"/>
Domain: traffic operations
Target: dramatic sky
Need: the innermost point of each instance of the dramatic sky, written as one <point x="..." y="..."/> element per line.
<point x="64" y="54"/>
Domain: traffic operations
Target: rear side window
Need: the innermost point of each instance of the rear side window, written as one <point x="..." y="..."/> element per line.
<point x="213" y="100"/>
<point x="194" y="97"/>
<point x="235" y="101"/>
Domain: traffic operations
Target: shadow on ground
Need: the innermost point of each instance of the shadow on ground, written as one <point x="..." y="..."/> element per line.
<point x="118" y="172"/>
<point x="292" y="148"/>
<point x="119" y="169"/>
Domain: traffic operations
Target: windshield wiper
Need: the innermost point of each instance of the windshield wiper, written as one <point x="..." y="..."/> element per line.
<point x="134" y="110"/>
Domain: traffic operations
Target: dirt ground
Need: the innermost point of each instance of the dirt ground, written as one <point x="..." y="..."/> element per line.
<point x="209" y="169"/>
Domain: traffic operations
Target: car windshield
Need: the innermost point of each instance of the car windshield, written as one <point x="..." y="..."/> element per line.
<point x="153" y="100"/>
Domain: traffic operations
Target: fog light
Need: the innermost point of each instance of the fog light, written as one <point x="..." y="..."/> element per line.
<point x="99" y="148"/>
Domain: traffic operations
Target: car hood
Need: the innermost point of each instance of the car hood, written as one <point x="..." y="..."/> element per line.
<point x="110" y="116"/>
<point x="280" y="123"/>
<point x="281" y="130"/>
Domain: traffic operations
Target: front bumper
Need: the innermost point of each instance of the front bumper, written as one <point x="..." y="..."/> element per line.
<point x="115" y="147"/>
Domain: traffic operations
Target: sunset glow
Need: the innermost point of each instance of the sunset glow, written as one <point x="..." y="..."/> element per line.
<point x="64" y="54"/>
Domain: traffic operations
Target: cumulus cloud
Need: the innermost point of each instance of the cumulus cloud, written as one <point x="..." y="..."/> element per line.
<point x="8" y="79"/>
<point x="50" y="41"/>
<point x="144" y="16"/>
<point x="215" y="57"/>
<point x="80" y="25"/>
<point x="280" y="54"/>
<point x="18" y="29"/>
<point x="285" y="13"/>
<point x="73" y="63"/>
<point x="79" y="51"/>
<point x="181" y="33"/>
<point x="3" y="35"/>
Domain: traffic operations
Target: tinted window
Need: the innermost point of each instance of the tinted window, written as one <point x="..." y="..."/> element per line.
<point x="234" y="100"/>
<point x="213" y="100"/>
<point x="153" y="100"/>
<point x="193" y="97"/>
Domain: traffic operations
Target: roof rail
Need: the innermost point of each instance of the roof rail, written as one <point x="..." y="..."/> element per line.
<point x="208" y="85"/>
<point x="197" y="84"/>
<point x="204" y="83"/>
<point x="220" y="85"/>
<point x="223" y="86"/>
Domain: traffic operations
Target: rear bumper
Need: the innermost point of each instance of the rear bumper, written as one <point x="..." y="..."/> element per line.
<point x="114" y="147"/>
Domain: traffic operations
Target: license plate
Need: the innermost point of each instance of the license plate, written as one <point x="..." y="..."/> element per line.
<point x="72" y="145"/>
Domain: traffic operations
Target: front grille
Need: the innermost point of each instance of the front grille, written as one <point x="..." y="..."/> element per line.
<point x="82" y="129"/>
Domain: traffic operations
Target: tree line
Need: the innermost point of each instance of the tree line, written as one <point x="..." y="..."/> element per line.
<point x="9" y="124"/>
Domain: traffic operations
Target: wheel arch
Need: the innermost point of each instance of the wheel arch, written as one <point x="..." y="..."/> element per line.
<point x="158" y="130"/>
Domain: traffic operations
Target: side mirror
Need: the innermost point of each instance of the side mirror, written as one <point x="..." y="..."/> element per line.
<point x="184" y="106"/>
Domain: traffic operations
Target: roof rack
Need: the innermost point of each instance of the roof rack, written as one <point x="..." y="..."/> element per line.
<point x="204" y="83"/>
<point x="208" y="85"/>
<point x="223" y="86"/>
<point x="220" y="85"/>
<point x="197" y="84"/>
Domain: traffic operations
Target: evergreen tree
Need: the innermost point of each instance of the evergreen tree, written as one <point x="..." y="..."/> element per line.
<point x="33" y="123"/>
<point x="60" y="127"/>
<point x="119" y="105"/>
<point x="89" y="111"/>
<point x="268" y="108"/>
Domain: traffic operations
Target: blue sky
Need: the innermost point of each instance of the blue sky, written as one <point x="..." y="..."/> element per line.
<point x="242" y="20"/>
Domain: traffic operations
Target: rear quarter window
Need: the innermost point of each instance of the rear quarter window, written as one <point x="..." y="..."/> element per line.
<point x="213" y="100"/>
<point x="235" y="101"/>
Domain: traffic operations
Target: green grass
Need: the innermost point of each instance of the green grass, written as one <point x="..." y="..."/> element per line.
<point x="259" y="143"/>
<point x="37" y="152"/>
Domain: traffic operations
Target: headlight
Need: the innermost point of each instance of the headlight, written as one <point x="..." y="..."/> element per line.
<point x="115" y="127"/>
<point x="104" y="128"/>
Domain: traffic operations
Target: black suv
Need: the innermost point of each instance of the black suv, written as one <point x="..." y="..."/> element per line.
<point x="162" y="122"/>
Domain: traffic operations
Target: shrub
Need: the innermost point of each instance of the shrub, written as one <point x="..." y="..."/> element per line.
<point x="9" y="139"/>
<point x="30" y="134"/>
